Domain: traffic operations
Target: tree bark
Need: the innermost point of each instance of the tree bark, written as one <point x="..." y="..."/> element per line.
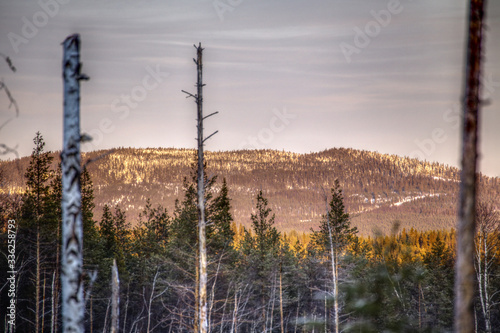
<point x="235" y="314"/>
<point x="486" y="247"/>
<point x="464" y="277"/>
<point x="72" y="233"/>
<point x="334" y="271"/>
<point x="43" y="305"/>
<point x="115" y="305"/>
<point x="281" y="299"/>
<point x="37" y="278"/>
<point x="53" y="303"/>
<point x="202" y="239"/>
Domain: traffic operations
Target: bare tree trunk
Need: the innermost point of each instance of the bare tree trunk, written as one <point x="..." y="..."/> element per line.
<point x="334" y="270"/>
<point x="464" y="280"/>
<point x="91" y="316"/>
<point x="57" y="285"/>
<point x="73" y="305"/>
<point x="115" y="305"/>
<point x="197" y="294"/>
<point x="202" y="241"/>
<point x="126" y="309"/>
<point x="43" y="305"/>
<point x="281" y="299"/>
<point x="235" y="313"/>
<point x="37" y="278"/>
<point x="212" y="296"/>
<point x="273" y="299"/>
<point x="53" y="311"/>
<point x="151" y="297"/>
<point x="486" y="249"/>
<point x="106" y="317"/>
<point x="297" y="316"/>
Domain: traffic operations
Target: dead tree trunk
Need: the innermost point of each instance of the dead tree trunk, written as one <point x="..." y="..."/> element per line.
<point x="73" y="304"/>
<point x="334" y="270"/>
<point x="281" y="299"/>
<point x="53" y="303"/>
<point x="37" y="277"/>
<point x="487" y="246"/>
<point x="464" y="280"/>
<point x="202" y="239"/>
<point x="115" y="304"/>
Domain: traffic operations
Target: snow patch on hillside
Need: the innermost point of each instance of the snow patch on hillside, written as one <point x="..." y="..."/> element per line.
<point x="409" y="199"/>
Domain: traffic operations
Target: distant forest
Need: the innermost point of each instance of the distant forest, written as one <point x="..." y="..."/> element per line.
<point x="379" y="190"/>
<point x="263" y="276"/>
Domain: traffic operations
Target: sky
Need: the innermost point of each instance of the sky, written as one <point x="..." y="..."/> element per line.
<point x="294" y="75"/>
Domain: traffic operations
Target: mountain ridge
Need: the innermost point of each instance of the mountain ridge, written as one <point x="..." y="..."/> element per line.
<point x="379" y="189"/>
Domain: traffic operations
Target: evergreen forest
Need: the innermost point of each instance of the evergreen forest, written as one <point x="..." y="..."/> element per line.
<point x="261" y="278"/>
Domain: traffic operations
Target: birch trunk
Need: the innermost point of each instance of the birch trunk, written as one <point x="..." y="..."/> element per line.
<point x="464" y="280"/>
<point x="72" y="233"/>
<point x="115" y="306"/>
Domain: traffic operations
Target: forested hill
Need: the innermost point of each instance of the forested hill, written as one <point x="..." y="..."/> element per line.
<point x="378" y="189"/>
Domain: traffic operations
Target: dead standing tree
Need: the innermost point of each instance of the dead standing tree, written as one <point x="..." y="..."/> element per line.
<point x="202" y="313"/>
<point x="465" y="274"/>
<point x="73" y="303"/>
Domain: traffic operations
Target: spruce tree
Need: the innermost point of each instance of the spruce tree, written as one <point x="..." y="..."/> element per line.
<point x="261" y="258"/>
<point x="333" y="237"/>
<point x="219" y="232"/>
<point x="38" y="222"/>
<point x="336" y="223"/>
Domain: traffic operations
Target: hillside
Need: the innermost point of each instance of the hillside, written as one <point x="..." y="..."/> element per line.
<point x="379" y="189"/>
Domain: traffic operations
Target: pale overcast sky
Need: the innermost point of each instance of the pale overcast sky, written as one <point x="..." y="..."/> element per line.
<point x="302" y="76"/>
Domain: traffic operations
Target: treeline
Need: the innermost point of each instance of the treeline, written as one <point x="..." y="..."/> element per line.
<point x="259" y="279"/>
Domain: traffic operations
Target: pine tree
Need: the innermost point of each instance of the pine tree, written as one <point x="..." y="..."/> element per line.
<point x="337" y="223"/>
<point x="260" y="260"/>
<point x="220" y="235"/>
<point x="38" y="219"/>
<point x="333" y="237"/>
<point x="152" y="233"/>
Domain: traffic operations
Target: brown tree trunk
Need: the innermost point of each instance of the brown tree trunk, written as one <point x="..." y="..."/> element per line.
<point x="464" y="278"/>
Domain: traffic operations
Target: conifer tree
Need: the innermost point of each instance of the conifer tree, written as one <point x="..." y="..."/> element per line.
<point x="261" y="255"/>
<point x="219" y="232"/>
<point x="333" y="237"/>
<point x="38" y="220"/>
